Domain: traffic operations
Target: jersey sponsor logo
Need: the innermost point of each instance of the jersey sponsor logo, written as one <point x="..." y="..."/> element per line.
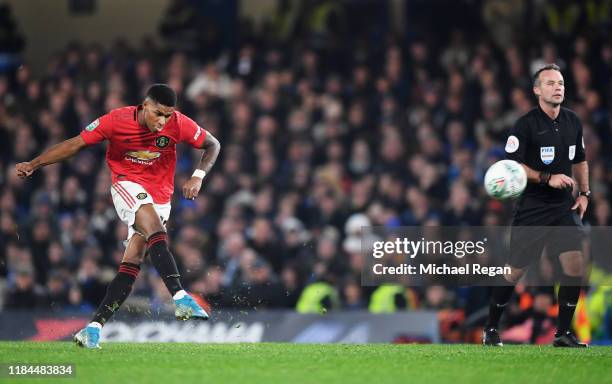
<point x="142" y="157"/>
<point x="162" y="141"/>
<point x="197" y="134"/>
<point x="512" y="144"/>
<point x="93" y="125"/>
<point x="141" y="196"/>
<point x="547" y="154"/>
<point x="572" y="152"/>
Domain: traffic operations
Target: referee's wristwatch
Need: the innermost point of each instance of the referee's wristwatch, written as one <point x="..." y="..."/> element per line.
<point x="586" y="194"/>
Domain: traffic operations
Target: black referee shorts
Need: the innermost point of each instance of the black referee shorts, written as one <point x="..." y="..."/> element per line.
<point x="527" y="242"/>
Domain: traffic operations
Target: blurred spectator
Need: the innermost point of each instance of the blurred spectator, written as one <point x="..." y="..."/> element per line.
<point x="352" y="296"/>
<point x="90" y="284"/>
<point x="259" y="288"/>
<point x="25" y="293"/>
<point x="57" y="291"/>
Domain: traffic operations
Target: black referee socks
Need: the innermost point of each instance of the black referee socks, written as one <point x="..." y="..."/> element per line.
<point x="162" y="259"/>
<point x="568" y="299"/>
<point x="118" y="290"/>
<point x="499" y="300"/>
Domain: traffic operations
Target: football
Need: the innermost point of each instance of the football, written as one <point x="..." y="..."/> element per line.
<point x="506" y="179"/>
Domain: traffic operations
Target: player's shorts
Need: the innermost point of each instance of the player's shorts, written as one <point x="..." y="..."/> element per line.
<point x="128" y="197"/>
<point x="528" y="242"/>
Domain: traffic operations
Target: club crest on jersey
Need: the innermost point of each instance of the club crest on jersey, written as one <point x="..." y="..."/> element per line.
<point x="93" y="125"/>
<point x="141" y="196"/>
<point x="512" y="145"/>
<point x="547" y="154"/>
<point x="162" y="141"/>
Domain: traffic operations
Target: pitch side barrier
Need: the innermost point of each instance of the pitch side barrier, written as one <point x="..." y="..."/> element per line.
<point x="460" y="256"/>
<point x="355" y="327"/>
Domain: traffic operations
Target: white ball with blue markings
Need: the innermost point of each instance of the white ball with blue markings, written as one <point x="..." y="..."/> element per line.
<point x="505" y="180"/>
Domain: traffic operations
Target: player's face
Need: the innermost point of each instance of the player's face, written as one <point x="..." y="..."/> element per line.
<point x="551" y="88"/>
<point x="156" y="115"/>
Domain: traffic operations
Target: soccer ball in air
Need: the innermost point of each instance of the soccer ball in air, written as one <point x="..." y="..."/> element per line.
<point x="505" y="180"/>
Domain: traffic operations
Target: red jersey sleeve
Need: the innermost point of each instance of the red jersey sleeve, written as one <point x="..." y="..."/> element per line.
<point x="190" y="131"/>
<point x="98" y="130"/>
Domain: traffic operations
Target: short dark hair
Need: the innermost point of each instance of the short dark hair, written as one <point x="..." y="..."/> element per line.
<point x="162" y="94"/>
<point x="547" y="67"/>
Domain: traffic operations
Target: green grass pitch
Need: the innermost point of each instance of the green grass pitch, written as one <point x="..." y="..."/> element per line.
<point x="167" y="363"/>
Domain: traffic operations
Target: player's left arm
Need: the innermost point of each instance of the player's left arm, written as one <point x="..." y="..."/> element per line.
<point x="211" y="147"/>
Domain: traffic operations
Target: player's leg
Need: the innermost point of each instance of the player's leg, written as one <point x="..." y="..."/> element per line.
<point x="569" y="288"/>
<point x="149" y="223"/>
<point x="567" y="243"/>
<point x="567" y="297"/>
<point x="501" y="295"/>
<point x="121" y="286"/>
<point x="525" y="244"/>
<point x="500" y="298"/>
<point x="117" y="291"/>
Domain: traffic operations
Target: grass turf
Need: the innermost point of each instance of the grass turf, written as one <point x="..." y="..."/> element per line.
<point x="316" y="363"/>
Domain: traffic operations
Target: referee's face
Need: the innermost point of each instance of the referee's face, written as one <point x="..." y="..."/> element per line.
<point x="550" y="88"/>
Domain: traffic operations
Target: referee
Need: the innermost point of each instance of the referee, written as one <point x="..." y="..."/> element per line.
<point x="548" y="143"/>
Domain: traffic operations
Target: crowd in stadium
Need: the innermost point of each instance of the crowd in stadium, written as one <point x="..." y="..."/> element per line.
<point x="319" y="138"/>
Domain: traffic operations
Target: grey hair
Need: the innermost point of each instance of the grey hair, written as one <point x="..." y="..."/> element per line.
<point x="547" y="67"/>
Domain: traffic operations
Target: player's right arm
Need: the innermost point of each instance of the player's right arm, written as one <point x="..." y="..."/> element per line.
<point x="516" y="149"/>
<point x="56" y="153"/>
<point x="96" y="132"/>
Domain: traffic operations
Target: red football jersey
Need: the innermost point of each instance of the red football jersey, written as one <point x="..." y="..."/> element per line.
<point x="136" y="154"/>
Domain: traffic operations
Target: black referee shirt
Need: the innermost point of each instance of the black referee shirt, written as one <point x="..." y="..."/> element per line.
<point x="545" y="145"/>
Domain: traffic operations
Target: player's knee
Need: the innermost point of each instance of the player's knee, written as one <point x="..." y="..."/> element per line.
<point x="134" y="259"/>
<point x="511" y="278"/>
<point x="575" y="271"/>
<point x="135" y="250"/>
<point x="514" y="276"/>
<point x="572" y="263"/>
<point x="153" y="230"/>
